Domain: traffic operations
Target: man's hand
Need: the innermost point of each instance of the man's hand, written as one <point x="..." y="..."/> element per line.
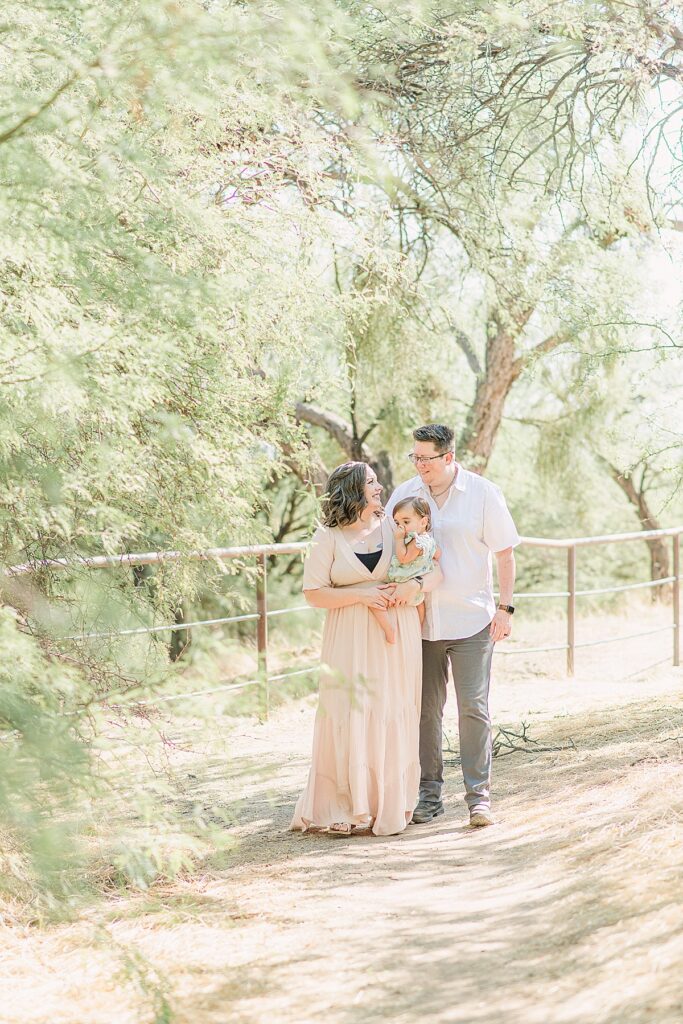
<point x="405" y="592"/>
<point x="501" y="625"/>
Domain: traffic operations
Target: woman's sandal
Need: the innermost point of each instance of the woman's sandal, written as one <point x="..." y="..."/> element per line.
<point x="341" y="828"/>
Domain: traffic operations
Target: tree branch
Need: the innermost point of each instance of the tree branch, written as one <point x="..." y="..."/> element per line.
<point x="336" y="426"/>
<point x="35" y="112"/>
<point x="310" y="468"/>
<point x="464" y="343"/>
<point x="342" y="432"/>
<point x="553" y="341"/>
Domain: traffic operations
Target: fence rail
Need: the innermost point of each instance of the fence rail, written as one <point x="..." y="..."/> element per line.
<point x="262" y="614"/>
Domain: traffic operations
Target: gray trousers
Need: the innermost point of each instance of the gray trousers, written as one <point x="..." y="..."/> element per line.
<point x="470" y="660"/>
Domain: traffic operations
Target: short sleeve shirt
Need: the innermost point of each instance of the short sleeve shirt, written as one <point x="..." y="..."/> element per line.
<point x="473" y="522"/>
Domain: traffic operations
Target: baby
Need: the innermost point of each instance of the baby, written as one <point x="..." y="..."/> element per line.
<point x="416" y="553"/>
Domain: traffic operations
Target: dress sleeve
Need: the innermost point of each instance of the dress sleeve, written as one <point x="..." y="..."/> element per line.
<point x="500" y="531"/>
<point x="318" y="562"/>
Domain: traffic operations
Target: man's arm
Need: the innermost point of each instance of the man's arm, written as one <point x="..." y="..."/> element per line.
<point x="432" y="579"/>
<point x="501" y="625"/>
<point x="402" y="593"/>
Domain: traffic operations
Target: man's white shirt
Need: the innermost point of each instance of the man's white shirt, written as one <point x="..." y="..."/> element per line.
<point x="473" y="522"/>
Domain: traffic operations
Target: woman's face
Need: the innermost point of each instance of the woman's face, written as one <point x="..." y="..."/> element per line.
<point x="373" y="491"/>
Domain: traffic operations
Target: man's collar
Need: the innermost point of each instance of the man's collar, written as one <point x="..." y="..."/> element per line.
<point x="460" y="482"/>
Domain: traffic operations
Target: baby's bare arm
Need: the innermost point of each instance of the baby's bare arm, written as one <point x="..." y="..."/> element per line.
<point x="412" y="552"/>
<point x="405" y="553"/>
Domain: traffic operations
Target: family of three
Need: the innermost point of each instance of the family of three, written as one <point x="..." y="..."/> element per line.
<point x="407" y="588"/>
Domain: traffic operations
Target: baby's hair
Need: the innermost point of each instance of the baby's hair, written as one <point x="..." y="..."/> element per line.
<point x="418" y="505"/>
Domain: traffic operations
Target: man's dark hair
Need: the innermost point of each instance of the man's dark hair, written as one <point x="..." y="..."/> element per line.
<point x="441" y="436"/>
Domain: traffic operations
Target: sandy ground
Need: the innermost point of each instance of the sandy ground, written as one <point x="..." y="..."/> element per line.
<point x="568" y="910"/>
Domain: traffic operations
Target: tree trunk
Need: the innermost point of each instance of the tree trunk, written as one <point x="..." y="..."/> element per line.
<point x="486" y="414"/>
<point x="381" y="464"/>
<point x="659" y="552"/>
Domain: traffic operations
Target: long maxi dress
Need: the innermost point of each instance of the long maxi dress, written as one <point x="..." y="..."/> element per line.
<point x="365" y="766"/>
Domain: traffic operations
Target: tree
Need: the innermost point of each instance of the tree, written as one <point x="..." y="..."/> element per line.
<point x="156" y="305"/>
<point x="243" y="239"/>
<point x="634" y="484"/>
<point x="625" y="423"/>
<point x="510" y="135"/>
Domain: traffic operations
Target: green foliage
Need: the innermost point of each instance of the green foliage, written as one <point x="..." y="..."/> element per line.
<point x="213" y="211"/>
<point x="158" y="299"/>
<point x="43" y="765"/>
<point x="136" y="306"/>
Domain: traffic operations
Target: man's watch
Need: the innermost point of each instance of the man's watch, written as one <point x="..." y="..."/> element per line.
<point x="507" y="608"/>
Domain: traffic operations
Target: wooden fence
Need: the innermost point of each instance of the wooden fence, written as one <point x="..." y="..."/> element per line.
<point x="262" y="614"/>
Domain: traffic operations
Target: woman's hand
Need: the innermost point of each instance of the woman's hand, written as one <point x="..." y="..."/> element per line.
<point x="374" y="598"/>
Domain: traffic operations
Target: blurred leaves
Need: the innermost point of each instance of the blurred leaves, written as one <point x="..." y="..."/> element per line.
<point x="212" y="211"/>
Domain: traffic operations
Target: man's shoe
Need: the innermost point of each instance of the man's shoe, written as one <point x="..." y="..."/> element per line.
<point x="480" y="817"/>
<point x="426" y="810"/>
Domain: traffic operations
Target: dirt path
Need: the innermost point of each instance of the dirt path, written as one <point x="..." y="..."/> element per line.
<point x="569" y="910"/>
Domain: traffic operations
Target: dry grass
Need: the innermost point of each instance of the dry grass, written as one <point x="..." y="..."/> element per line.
<point x="570" y="910"/>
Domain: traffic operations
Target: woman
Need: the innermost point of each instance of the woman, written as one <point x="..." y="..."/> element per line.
<point x="365" y="768"/>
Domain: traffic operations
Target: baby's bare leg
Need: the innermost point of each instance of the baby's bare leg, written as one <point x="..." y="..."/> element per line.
<point x="386" y="622"/>
<point x="421" y="612"/>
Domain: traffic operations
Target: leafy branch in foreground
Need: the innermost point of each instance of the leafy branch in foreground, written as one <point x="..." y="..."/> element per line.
<point x="156" y="327"/>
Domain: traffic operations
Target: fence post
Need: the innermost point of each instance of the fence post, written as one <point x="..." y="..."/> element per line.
<point x="677" y="599"/>
<point x="262" y="626"/>
<point x="571" y="607"/>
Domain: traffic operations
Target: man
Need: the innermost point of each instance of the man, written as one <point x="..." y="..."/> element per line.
<point x="470" y="520"/>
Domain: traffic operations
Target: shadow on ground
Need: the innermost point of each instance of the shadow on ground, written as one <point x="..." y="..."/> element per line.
<point x="568" y="910"/>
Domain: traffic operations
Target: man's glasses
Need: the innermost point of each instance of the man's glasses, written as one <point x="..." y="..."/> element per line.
<point x="421" y="460"/>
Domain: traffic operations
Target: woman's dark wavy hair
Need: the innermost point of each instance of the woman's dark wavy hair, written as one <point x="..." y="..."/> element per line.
<point x="344" y="497"/>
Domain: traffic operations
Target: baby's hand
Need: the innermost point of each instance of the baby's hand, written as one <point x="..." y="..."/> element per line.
<point x="400" y="532"/>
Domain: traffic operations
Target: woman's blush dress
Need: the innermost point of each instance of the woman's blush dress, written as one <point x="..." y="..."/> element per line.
<point x="365" y="766"/>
